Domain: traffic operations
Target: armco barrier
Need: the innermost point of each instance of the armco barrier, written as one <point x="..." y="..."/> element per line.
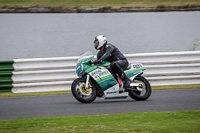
<point x="55" y="74"/>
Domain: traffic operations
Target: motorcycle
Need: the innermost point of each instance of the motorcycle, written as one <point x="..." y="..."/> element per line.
<point x="99" y="81"/>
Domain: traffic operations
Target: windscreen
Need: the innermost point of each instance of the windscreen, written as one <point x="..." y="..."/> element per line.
<point x="84" y="56"/>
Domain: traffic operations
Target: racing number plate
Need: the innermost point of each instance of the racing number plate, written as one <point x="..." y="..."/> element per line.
<point x="136" y="66"/>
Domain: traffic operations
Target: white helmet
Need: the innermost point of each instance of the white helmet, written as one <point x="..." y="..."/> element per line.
<point x="100" y="41"/>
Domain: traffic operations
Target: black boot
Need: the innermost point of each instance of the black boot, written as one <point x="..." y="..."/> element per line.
<point x="126" y="80"/>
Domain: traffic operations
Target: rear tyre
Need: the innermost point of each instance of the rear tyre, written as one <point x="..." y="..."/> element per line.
<point x="80" y="93"/>
<point x="146" y="89"/>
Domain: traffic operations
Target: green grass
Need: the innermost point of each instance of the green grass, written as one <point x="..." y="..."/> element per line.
<point x="152" y="122"/>
<point x="34" y="94"/>
<point x="169" y="87"/>
<point x="95" y="3"/>
<point x="172" y="87"/>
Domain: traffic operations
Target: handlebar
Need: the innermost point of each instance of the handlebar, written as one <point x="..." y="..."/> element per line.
<point x="91" y="62"/>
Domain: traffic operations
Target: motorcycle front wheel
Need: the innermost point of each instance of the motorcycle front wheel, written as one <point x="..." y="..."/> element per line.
<point x="82" y="94"/>
<point x="146" y="89"/>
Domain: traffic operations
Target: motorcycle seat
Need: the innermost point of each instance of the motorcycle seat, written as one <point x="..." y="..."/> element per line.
<point x="109" y="69"/>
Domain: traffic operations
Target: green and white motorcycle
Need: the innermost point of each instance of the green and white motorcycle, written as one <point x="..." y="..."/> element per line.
<point x="99" y="81"/>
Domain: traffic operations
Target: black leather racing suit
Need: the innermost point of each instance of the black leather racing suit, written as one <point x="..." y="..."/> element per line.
<point x="112" y="54"/>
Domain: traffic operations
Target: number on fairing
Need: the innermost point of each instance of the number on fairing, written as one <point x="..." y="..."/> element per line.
<point x="136" y="66"/>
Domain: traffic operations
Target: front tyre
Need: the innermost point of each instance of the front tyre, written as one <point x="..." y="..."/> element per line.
<point x="146" y="89"/>
<point x="83" y="95"/>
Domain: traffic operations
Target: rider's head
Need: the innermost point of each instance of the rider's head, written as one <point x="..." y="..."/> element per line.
<point x="100" y="41"/>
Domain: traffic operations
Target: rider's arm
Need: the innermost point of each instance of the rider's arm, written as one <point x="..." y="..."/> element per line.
<point x="108" y="50"/>
<point x="98" y="55"/>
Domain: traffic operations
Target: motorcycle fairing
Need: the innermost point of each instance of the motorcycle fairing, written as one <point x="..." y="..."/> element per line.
<point x="106" y="80"/>
<point x="103" y="77"/>
<point x="113" y="93"/>
<point x="134" y="71"/>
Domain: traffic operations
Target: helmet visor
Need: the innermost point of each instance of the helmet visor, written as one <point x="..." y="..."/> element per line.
<point x="96" y="44"/>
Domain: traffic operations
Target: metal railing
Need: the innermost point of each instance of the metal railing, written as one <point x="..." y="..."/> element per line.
<point x="56" y="74"/>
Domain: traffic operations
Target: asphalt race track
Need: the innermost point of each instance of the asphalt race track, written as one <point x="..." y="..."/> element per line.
<point x="66" y="105"/>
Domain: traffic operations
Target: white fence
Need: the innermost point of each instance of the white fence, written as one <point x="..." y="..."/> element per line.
<point x="55" y="74"/>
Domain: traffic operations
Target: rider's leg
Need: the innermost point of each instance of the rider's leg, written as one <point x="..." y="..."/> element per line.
<point x="125" y="79"/>
<point x="118" y="67"/>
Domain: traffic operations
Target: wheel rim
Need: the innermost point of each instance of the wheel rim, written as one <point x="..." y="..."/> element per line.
<point x="82" y="92"/>
<point x="143" y="87"/>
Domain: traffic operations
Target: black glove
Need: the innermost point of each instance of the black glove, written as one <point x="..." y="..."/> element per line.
<point x="97" y="62"/>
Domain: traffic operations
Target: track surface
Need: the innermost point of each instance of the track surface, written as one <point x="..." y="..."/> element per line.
<point x="66" y="105"/>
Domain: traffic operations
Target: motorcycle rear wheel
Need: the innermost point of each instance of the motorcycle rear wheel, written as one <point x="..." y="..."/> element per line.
<point x="146" y="89"/>
<point x="80" y="93"/>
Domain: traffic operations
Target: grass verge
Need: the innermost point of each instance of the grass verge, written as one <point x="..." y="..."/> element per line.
<point x="34" y="94"/>
<point x="152" y="122"/>
<point x="95" y="3"/>
<point x="172" y="87"/>
<point x="169" y="87"/>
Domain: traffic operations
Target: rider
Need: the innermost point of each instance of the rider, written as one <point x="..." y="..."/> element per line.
<point x="110" y="53"/>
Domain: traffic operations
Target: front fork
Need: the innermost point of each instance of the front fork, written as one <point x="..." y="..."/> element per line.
<point x="87" y="81"/>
